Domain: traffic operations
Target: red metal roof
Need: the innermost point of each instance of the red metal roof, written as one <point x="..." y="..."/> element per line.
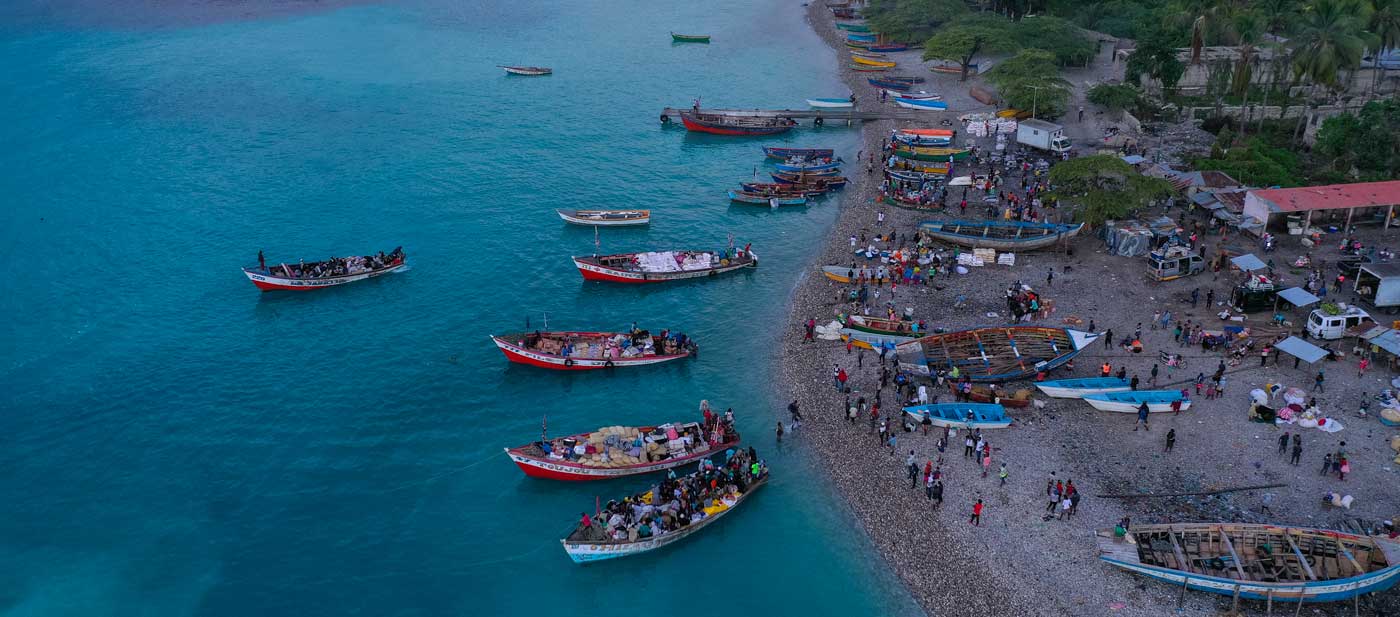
<point x="1331" y="196"/>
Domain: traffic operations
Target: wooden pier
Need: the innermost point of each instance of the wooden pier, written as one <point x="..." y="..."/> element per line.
<point x="673" y="114"/>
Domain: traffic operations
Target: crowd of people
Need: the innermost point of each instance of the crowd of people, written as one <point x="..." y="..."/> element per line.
<point x="335" y="266"/>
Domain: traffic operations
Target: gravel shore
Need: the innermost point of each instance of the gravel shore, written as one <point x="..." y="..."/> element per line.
<point x="1016" y="562"/>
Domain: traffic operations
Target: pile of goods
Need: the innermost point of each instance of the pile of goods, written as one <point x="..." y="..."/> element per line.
<point x="613" y="446"/>
<point x="672" y="261"/>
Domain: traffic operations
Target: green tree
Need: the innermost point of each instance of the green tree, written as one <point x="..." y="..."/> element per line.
<point x="1364" y="146"/>
<point x="1030" y="80"/>
<point x="1330" y="40"/>
<point x="1114" y="97"/>
<point x="1156" y="58"/>
<point x="1062" y="38"/>
<point x="1384" y="26"/>
<point x="1104" y="187"/>
<point x="912" y="20"/>
<point x="1255" y="164"/>
<point x="966" y="37"/>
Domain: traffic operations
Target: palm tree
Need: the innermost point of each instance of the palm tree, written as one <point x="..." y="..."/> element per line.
<point x="1330" y="40"/>
<point x="1246" y="32"/>
<point x="1278" y="15"/>
<point x="1384" y="26"/>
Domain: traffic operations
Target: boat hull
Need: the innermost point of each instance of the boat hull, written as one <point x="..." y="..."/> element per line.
<point x="579" y="217"/>
<point x="267" y="282"/>
<point x="521" y="355"/>
<point x="1070" y="389"/>
<point x="774" y="152"/>
<point x="1097" y="401"/>
<point x="582" y="552"/>
<point x="700" y="126"/>
<point x="690" y="38"/>
<point x="1045" y="235"/>
<point x="1331" y="591"/>
<point x="995" y="354"/>
<point x="830" y="103"/>
<point x="986" y="415"/>
<point x="595" y="272"/>
<point x="921" y="104"/>
<point x="550" y="469"/>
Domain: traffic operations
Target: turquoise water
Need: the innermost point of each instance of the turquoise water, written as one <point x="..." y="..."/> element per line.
<point x="176" y="443"/>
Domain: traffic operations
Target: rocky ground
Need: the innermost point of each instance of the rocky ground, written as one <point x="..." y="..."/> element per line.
<point x="1017" y="562"/>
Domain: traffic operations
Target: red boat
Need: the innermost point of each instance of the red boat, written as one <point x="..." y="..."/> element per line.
<point x="662" y="266"/>
<point x="610" y="452"/>
<point x="721" y="124"/>
<point x="583" y="351"/>
<point x="335" y="271"/>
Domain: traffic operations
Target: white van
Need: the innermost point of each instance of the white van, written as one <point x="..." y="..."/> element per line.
<point x="1331" y="327"/>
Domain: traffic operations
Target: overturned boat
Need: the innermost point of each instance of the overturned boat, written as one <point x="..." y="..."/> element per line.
<point x="994" y="354"/>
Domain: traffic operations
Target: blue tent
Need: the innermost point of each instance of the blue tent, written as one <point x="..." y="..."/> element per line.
<point x="1297" y="296"/>
<point x="1301" y="349"/>
<point x="1248" y="263"/>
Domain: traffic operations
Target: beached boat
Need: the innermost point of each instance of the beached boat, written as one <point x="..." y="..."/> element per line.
<point x="831" y="103"/>
<point x="661" y="266"/>
<point x="862" y="68"/>
<point x="995" y="354"/>
<point x="606" y="218"/>
<point x="927" y="132"/>
<point x="527" y="71"/>
<point x="305" y="276"/>
<point x="1256" y="562"/>
<point x="844" y="12"/>
<point x="809" y="166"/>
<point x="910" y="203"/>
<point x="889" y="84"/>
<point x="961" y="415"/>
<point x="916" y="96"/>
<point x="916" y="176"/>
<point x="589" y="544"/>
<point x="678" y="443"/>
<point x="820" y="181"/>
<point x="937" y="154"/>
<point x="927" y="167"/>
<point x="1000" y="235"/>
<point x="735" y="125"/>
<point x="888" y="47"/>
<point x="873" y="62"/>
<point x="872" y="341"/>
<point x="861" y="38"/>
<point x="583" y="351"/>
<point x="775" y="152"/>
<point x="866" y="54"/>
<point x="1158" y="401"/>
<point x="980" y="393"/>
<point x="847" y="274"/>
<point x="879" y="325"/>
<point x="908" y="79"/>
<point x="1079" y="388"/>
<point x="921" y="104"/>
<point x="772" y="200"/>
<point x="690" y="38"/>
<point x="858" y="45"/>
<point x="778" y="188"/>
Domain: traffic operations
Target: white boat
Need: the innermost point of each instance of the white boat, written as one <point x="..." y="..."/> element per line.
<point x="831" y="103"/>
<point x="606" y="218"/>
<point x="1158" y="401"/>
<point x="924" y="105"/>
<point x="1079" y="388"/>
<point x="528" y="71"/>
<point x="918" y="96"/>
<point x="872" y="341"/>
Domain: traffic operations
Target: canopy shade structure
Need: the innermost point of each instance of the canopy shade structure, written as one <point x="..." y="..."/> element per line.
<point x="1299" y="297"/>
<point x="1384" y="338"/>
<point x="1248" y="263"/>
<point x="1301" y="349"/>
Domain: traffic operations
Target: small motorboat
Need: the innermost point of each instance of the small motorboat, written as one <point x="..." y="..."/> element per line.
<point x="961" y="415"/>
<point x="582" y="351"/>
<point x="689" y="38"/>
<point x="775" y="152"/>
<point x="1158" y="401"/>
<point x="1079" y="388"/>
<point x="606" y="218"/>
<point x="597" y="455"/>
<point x="662" y="266"/>
<point x="886" y="64"/>
<point x="528" y="71"/>
<point x="772" y="200"/>
<point x="305" y="276"/>
<point x="920" y="104"/>
<point x="831" y="103"/>
<point x="810" y="166"/>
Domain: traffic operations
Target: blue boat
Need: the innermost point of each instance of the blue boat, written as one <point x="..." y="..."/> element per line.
<point x="774" y="152"/>
<point x="861" y="38"/>
<point x="805" y="167"/>
<point x="961" y="415"/>
<point x="1000" y="235"/>
<point x="1078" y="388"/>
<point x="889" y="84"/>
<point x="925" y="104"/>
<point x="1128" y="402"/>
<point x="908" y="79"/>
<point x="1269" y="563"/>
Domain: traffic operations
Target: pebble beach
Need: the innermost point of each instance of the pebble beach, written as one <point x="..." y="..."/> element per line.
<point x="1018" y="562"/>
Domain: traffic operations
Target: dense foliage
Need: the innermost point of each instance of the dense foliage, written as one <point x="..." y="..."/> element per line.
<point x="1104" y="187"/>
<point x="1029" y="80"/>
<point x="1114" y="97"/>
<point x="966" y="37"/>
<point x="1365" y="147"/>
<point x="912" y="20"/>
<point x="1060" y="37"/>
<point x="1256" y="163"/>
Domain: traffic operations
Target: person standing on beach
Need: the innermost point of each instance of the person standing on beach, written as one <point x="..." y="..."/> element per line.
<point x="986" y="464"/>
<point x="1297" y="450"/>
<point x="1142" y="415"/>
<point x="1074" y="503"/>
<point x="1317" y="382"/>
<point x="976" y="519"/>
<point x="1001" y="473"/>
<point x="1171" y="440"/>
<point x="967" y="446"/>
<point x="1108" y="338"/>
<point x="936" y="494"/>
<point x="1153" y="379"/>
<point x="1050" y="277"/>
<point x="913" y="467"/>
<point x="811" y="328"/>
<point x="1283" y="443"/>
<point x="1326" y="464"/>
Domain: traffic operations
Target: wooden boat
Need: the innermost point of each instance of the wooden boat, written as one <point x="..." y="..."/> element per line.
<point x="536" y="461"/>
<point x="772" y="200"/>
<point x="888" y="47"/>
<point x="861" y="38"/>
<point x="995" y="354"/>
<point x="584" y="548"/>
<point x="810" y="166"/>
<point x="873" y="342"/>
<point x="921" y="104"/>
<point x="590" y="350"/>
<point x="299" y="277"/>
<point x="889" y="84"/>
<point x="779" y="188"/>
<point x="690" y="38"/>
<point x="908" y="79"/>
<point x="1000" y="235"/>
<point x="1078" y="388"/>
<point x="917" y="96"/>
<point x="846" y="274"/>
<point x="812" y="181"/>
<point x="927" y="167"/>
<point x="873" y="62"/>
<point x="852" y="27"/>
<point x="831" y="103"/>
<point x="735" y="125"/>
<point x="1256" y="562"/>
<point x="930" y="153"/>
<point x="861" y="68"/>
<point x="844" y="12"/>
<point x="774" y="152"/>
<point x="927" y="132"/>
<point x="907" y="203"/>
<point x="858" y="45"/>
<point x="916" y="176"/>
<point x="879" y="325"/>
<point x="961" y="415"/>
<point x="661" y="266"/>
<point x="606" y="218"/>
<point x="984" y="394"/>
<point x="1158" y="401"/>
<point x="866" y="54"/>
<point x="527" y="71"/>
<point x="823" y="173"/>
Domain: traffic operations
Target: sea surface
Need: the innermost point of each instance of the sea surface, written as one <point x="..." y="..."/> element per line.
<point x="173" y="442"/>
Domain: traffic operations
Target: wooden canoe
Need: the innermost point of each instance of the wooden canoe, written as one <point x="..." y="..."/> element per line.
<point x="528" y="71"/>
<point x="873" y="62"/>
<point x="690" y="38"/>
<point x="591" y="350"/>
<point x="983" y="394"/>
<point x="606" y="218"/>
<point x="994" y="354"/>
<point x="1000" y="235"/>
<point x="535" y="460"/>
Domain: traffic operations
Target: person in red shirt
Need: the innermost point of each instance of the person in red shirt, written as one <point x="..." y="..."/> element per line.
<point x="976" y="514"/>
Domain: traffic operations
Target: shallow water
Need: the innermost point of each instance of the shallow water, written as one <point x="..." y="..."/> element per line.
<point x="177" y="443"/>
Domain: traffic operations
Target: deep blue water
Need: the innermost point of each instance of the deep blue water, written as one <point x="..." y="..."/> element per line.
<point x="173" y="442"/>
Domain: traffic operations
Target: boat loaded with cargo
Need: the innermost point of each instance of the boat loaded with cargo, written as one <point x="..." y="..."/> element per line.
<point x="620" y="451"/>
<point x="333" y="272"/>
<point x="662" y="266"/>
<point x="582" y="351"/>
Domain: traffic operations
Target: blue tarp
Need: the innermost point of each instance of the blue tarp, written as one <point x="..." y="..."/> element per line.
<point x="1384" y="338"/>
<point x="1248" y="263"/>
<point x="1301" y="349"/>
<point x="1133" y="159"/>
<point x="1297" y="296"/>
